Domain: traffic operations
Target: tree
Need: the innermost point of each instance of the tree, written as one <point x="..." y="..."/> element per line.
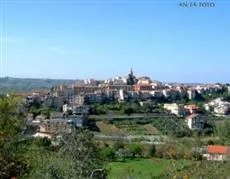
<point x="108" y="153"/>
<point x="75" y="157"/>
<point x="152" y="150"/>
<point x="79" y="150"/>
<point x="223" y="132"/>
<point x="131" y="80"/>
<point x="226" y="98"/>
<point x="135" y="149"/>
<point x="118" y="145"/>
<point x="10" y="139"/>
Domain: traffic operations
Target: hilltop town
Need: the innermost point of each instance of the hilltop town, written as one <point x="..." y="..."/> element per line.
<point x="124" y="97"/>
<point x="133" y="117"/>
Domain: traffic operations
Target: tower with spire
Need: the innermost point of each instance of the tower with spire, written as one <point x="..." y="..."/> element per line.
<point x="131" y="71"/>
<point x="131" y="80"/>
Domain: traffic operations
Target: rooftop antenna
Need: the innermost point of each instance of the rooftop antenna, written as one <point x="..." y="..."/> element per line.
<point x="1" y="34"/>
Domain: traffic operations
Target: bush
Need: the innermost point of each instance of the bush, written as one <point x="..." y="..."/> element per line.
<point x="152" y="150"/>
<point x="196" y="156"/>
<point x="118" y="145"/>
<point x="135" y="150"/>
<point x="108" y="153"/>
<point x="128" y="110"/>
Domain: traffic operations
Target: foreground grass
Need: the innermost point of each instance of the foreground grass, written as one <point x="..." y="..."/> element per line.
<point x="144" y="168"/>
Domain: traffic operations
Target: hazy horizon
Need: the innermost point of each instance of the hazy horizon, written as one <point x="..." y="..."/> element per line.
<point x="102" y="39"/>
<point x="74" y="79"/>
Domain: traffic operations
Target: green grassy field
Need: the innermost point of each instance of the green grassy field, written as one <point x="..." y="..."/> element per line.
<point x="111" y="129"/>
<point x="144" y="168"/>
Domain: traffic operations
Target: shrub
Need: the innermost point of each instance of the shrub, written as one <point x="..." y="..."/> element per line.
<point x="108" y="153"/>
<point x="135" y="150"/>
<point x="152" y="150"/>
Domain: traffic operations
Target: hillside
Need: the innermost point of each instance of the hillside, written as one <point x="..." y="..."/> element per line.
<point x="9" y="84"/>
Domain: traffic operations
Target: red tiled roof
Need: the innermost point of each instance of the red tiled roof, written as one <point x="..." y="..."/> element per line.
<point x="218" y="149"/>
<point x="192" y="116"/>
<point x="191" y="106"/>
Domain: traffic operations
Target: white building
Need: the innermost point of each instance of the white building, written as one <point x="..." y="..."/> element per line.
<point x="195" y="121"/>
<point x="121" y="95"/>
<point x="78" y="100"/>
<point x="65" y="108"/>
<point x="228" y="89"/>
<point x="156" y="93"/>
<point x="144" y="80"/>
<point x="166" y="92"/>
<point x="176" y="109"/>
<point x="191" y="94"/>
<point x="217" y="153"/>
<point x="219" y="107"/>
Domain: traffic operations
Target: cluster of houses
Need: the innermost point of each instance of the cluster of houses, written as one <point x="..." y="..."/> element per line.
<point x="59" y="123"/>
<point x="76" y="97"/>
<point x="123" y="92"/>
<point x="118" y="89"/>
<point x="194" y="120"/>
<point x="218" y="106"/>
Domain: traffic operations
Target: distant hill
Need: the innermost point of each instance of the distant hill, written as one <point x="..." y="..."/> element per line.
<point x="9" y="84"/>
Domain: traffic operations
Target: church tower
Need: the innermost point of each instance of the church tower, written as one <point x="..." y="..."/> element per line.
<point x="131" y="71"/>
<point x="131" y="78"/>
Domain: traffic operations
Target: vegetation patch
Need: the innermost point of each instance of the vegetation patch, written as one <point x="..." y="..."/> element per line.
<point x="143" y="168"/>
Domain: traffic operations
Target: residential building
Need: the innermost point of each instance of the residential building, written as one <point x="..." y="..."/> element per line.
<point x="54" y="126"/>
<point x="191" y="94"/>
<point x="228" y="87"/>
<point x="195" y="121"/>
<point x="219" y="107"/>
<point x="93" y="98"/>
<point x="217" y="153"/>
<point x="144" y="80"/>
<point x="112" y="94"/>
<point x="132" y="95"/>
<point x="181" y="91"/>
<point x="156" y="93"/>
<point x="121" y="95"/>
<point x="80" y="110"/>
<point x="144" y="95"/>
<point x="156" y="85"/>
<point x="222" y="109"/>
<point x="57" y="102"/>
<point x="176" y="109"/>
<point x="192" y="108"/>
<point x="78" y="100"/>
<point x="166" y="92"/>
<point x="82" y="89"/>
<point x="118" y="87"/>
<point x="66" y="108"/>
<point x="92" y="82"/>
<point x="207" y="107"/>
<point x="62" y="125"/>
<point x="142" y="87"/>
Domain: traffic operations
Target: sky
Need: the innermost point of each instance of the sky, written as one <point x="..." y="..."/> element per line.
<point x="81" y="39"/>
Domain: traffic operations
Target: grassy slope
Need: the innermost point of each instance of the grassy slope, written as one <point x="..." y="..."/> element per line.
<point x="111" y="129"/>
<point x="142" y="168"/>
<point x="108" y="129"/>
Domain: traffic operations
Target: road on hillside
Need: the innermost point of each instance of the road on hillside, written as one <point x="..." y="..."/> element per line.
<point x="132" y="116"/>
<point x="151" y="139"/>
